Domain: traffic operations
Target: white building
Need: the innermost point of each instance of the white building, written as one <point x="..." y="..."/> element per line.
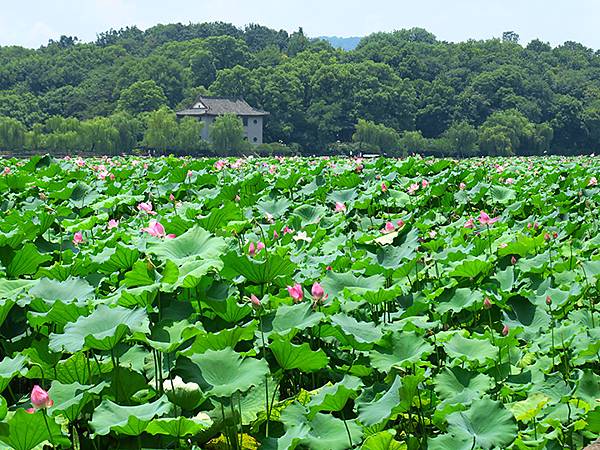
<point x="207" y="109"/>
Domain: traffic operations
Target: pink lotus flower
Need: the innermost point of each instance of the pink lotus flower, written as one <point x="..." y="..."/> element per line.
<point x="260" y="246"/>
<point x="593" y="182"/>
<point x="6" y="171"/>
<point x="432" y="234"/>
<point x="146" y="207"/>
<point x="548" y="300"/>
<point x="413" y="188"/>
<point x="286" y="230"/>
<point x="255" y="301"/>
<point x="112" y="223"/>
<point x="505" y="330"/>
<point x="484" y="219"/>
<point x="469" y="223"/>
<point x="510" y="181"/>
<point x="424" y="183"/>
<point x="317" y="291"/>
<point x="296" y="292"/>
<point x="462" y="186"/>
<point x="252" y="250"/>
<point x="340" y="207"/>
<point x="78" y="238"/>
<point x="384" y="187"/>
<point x="400" y="223"/>
<point x="171" y="197"/>
<point x="388" y="228"/>
<point x="275" y="234"/>
<point x="220" y="164"/>
<point x="237" y="198"/>
<point x="145" y="166"/>
<point x="328" y="268"/>
<point x="272" y="169"/>
<point x="156" y="229"/>
<point x="318" y="294"/>
<point x="80" y="162"/>
<point x="513" y="260"/>
<point x="40" y="398"/>
<point x="189" y="173"/>
<point x="487" y="304"/>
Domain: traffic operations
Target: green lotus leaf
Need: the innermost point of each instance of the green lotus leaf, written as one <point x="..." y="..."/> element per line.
<point x="459" y="299"/>
<point x="221" y="373"/>
<point x="384" y="440"/>
<point x="127" y="420"/>
<point x="333" y="397"/>
<point x="10" y="289"/>
<point x="178" y="427"/>
<point x="101" y="330"/>
<point x="257" y="271"/>
<point x="289" y="318"/>
<point x="528" y="409"/>
<point x="486" y="423"/>
<point x="10" y="368"/>
<point x="275" y="208"/>
<point x="336" y="283"/>
<point x="466" y="349"/>
<point x="26" y="260"/>
<point x="70" y="399"/>
<point x="376" y="407"/>
<point x="361" y="332"/>
<point x="72" y="289"/>
<point x="588" y="388"/>
<point x="291" y="356"/>
<point x="458" y="385"/>
<point x="399" y="350"/>
<point x="470" y="267"/>
<point x="25" y="431"/>
<point x="329" y="433"/>
<point x="196" y="243"/>
<point x="222" y="339"/>
<point x="3" y="408"/>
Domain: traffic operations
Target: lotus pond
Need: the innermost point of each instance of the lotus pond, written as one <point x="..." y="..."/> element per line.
<point x="299" y="303"/>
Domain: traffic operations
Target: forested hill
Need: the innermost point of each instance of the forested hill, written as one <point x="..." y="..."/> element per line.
<point x="492" y="97"/>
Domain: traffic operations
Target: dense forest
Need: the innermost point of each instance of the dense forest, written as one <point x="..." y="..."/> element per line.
<point x="404" y="91"/>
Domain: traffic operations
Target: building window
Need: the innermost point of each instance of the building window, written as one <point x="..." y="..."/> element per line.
<point x="255" y="121"/>
<point x="245" y="121"/>
<point x="255" y="139"/>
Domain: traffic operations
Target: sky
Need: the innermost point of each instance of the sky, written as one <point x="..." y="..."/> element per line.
<point x="32" y="23"/>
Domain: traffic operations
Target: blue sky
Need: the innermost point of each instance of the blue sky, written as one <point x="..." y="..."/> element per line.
<point x="32" y="22"/>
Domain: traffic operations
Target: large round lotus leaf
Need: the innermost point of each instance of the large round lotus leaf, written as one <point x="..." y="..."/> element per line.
<point x="486" y="423"/>
<point x="399" y="350"/>
<point x="10" y="289"/>
<point x="101" y="330"/>
<point x="70" y="399"/>
<point x="376" y="407"/>
<point x="459" y="299"/>
<point x="194" y="243"/>
<point x="178" y="427"/>
<point x="257" y="271"/>
<point x="24" y="431"/>
<point x="362" y="332"/>
<point x="384" y="440"/>
<point x="291" y="356"/>
<point x="329" y="433"/>
<point x="334" y="284"/>
<point x="458" y="385"/>
<point x="72" y="289"/>
<point x="466" y="349"/>
<point x="334" y="397"/>
<point x="128" y="420"/>
<point x="221" y="373"/>
<point x="26" y="261"/>
<point x="287" y="318"/>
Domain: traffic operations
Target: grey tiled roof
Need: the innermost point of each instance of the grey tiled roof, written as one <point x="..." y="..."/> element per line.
<point x="217" y="106"/>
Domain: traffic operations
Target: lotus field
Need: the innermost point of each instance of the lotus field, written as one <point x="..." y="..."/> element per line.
<point x="324" y="304"/>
